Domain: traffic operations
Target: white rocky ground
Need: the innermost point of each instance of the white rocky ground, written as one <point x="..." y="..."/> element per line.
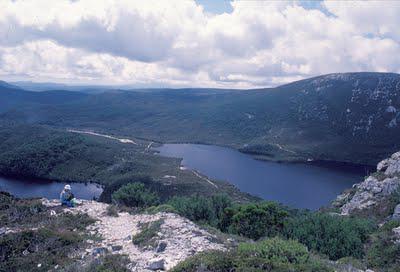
<point x="178" y="237"/>
<point x="374" y="189"/>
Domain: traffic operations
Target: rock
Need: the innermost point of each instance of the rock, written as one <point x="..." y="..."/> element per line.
<point x="178" y="237"/>
<point x="3" y="231"/>
<point x="156" y="264"/>
<point x="99" y="251"/>
<point x="396" y="232"/>
<point x="367" y="194"/>
<point x="116" y="248"/>
<point x="161" y="247"/>
<point x="25" y="252"/>
<point x="396" y="213"/>
<point x="391" y="166"/>
<point x="53" y="213"/>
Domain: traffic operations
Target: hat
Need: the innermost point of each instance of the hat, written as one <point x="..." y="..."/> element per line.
<point x="67" y="187"/>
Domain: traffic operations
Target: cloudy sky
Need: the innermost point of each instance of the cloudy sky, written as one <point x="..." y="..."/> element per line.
<point x="237" y="44"/>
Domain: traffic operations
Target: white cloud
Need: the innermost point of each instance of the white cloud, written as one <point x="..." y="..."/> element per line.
<point x="176" y="43"/>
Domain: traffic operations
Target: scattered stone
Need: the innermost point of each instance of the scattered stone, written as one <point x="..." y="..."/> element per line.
<point x="116" y="248"/>
<point x="25" y="252"/>
<point x="396" y="232"/>
<point x="2" y="231"/>
<point x="180" y="237"/>
<point x="157" y="265"/>
<point x="396" y="213"/>
<point x="161" y="247"/>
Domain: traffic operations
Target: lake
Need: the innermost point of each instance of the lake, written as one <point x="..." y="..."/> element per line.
<point x="39" y="188"/>
<point x="296" y="185"/>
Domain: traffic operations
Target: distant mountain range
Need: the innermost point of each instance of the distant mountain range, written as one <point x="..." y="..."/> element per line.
<point x="351" y="117"/>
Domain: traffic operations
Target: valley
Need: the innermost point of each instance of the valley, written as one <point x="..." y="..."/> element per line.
<point x="314" y="119"/>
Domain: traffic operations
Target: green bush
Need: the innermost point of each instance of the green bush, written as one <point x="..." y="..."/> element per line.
<point x="272" y="254"/>
<point x="135" y="195"/>
<point x="202" y="209"/>
<point x="255" y="220"/>
<point x="333" y="236"/>
<point x="382" y="252"/>
<point x="250" y="220"/>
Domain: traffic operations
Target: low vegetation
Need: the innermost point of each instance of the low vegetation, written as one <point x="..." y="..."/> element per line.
<point x="38" y="241"/>
<point x="44" y="153"/>
<point x="135" y="195"/>
<point x="148" y="233"/>
<point x="382" y="252"/>
<point x="109" y="263"/>
<point x="273" y="254"/>
<point x="333" y="236"/>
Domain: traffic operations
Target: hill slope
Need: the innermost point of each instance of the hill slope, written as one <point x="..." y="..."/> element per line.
<point x="342" y="117"/>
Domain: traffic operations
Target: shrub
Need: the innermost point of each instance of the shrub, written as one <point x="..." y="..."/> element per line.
<point x="382" y="252"/>
<point x="255" y="220"/>
<point x="333" y="236"/>
<point x="202" y="209"/>
<point x="272" y="254"/>
<point x="250" y="220"/>
<point x="135" y="195"/>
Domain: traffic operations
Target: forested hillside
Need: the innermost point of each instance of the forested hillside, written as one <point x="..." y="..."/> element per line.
<point x="44" y="153"/>
<point x="342" y="117"/>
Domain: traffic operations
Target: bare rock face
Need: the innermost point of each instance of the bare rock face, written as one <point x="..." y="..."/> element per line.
<point x="374" y="189"/>
<point x="390" y="166"/>
<point x="177" y="238"/>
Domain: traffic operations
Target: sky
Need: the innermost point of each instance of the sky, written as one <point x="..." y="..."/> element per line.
<point x="203" y="43"/>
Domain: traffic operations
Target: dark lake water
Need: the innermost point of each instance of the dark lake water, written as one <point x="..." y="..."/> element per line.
<point x="296" y="185"/>
<point x="36" y="188"/>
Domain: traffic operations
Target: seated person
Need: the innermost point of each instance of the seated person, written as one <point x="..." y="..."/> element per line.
<point x="67" y="197"/>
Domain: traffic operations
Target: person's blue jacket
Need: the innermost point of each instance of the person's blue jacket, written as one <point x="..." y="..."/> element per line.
<point x="66" y="197"/>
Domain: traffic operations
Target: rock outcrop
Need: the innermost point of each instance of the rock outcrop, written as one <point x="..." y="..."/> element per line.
<point x="176" y="239"/>
<point x="375" y="190"/>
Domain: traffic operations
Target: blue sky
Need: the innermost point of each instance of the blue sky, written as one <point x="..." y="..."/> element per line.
<point x="216" y="6"/>
<point x="221" y="6"/>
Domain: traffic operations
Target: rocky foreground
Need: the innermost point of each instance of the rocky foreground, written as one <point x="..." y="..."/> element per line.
<point x="176" y="239"/>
